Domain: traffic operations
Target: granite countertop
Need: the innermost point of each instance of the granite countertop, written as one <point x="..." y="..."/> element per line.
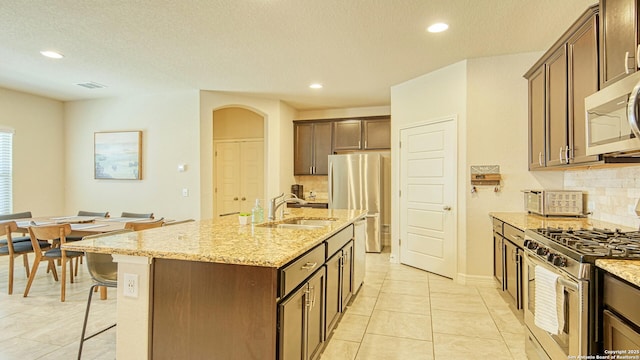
<point x="224" y="241"/>
<point x="523" y="221"/>
<point x="625" y="269"/>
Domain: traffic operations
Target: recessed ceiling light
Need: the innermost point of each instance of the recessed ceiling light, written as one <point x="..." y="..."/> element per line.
<point x="52" y="54"/>
<point x="316" y="86"/>
<point x="437" y="27"/>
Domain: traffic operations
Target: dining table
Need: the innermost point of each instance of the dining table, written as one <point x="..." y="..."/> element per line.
<point x="80" y="226"/>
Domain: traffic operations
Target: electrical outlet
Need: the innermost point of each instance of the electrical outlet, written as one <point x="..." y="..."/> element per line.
<point x="130" y="285"/>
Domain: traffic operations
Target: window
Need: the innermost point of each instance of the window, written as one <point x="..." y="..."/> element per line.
<point x="6" y="189"/>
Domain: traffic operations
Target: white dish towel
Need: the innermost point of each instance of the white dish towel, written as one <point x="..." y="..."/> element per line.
<point x="549" y="301"/>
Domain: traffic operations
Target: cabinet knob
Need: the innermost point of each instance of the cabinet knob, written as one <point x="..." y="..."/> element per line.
<point x="235" y="198"/>
<point x="446" y="208"/>
<point x="243" y="198"/>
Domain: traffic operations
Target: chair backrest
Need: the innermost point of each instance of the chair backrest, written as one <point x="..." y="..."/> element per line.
<point x="101" y="266"/>
<point x="177" y="222"/>
<point x="143" y="225"/>
<point x="6" y="228"/>
<point x="136" y="215"/>
<point x="21" y="215"/>
<point x="48" y="233"/>
<point x="93" y="213"/>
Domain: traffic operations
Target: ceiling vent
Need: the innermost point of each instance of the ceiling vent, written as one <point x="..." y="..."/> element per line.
<point x="92" y="85"/>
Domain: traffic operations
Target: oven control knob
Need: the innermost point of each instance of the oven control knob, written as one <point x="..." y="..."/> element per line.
<point x="532" y="245"/>
<point x="550" y="257"/>
<point x="559" y="261"/>
<point x="542" y="251"/>
<point x="526" y="243"/>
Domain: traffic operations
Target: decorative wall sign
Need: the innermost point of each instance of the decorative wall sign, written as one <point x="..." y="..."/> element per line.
<point x="118" y="155"/>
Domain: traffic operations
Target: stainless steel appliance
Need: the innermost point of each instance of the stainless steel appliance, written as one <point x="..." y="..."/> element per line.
<point x="570" y="255"/>
<point x="612" y="118"/>
<point x="554" y="202"/>
<point x="356" y="181"/>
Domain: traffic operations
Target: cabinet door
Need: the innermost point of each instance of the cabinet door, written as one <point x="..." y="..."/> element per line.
<point x="557" y="125"/>
<point x="617" y="334"/>
<point x="303" y="149"/>
<point x="377" y="134"/>
<point x="316" y="308"/>
<point x="583" y="81"/>
<point x="291" y="324"/>
<point x="510" y="272"/>
<point x="347" y="135"/>
<point x="498" y="258"/>
<point x="537" y="116"/>
<point x="618" y="39"/>
<point x="347" y="273"/>
<point x="321" y="148"/>
<point x="333" y="291"/>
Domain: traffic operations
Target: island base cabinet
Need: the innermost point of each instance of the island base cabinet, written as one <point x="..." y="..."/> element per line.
<point x="301" y="320"/>
<point x="213" y="311"/>
<point x="339" y="285"/>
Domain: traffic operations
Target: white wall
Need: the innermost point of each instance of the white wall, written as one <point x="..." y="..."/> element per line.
<point x="170" y="125"/>
<point x="38" y="151"/>
<point x="343" y="113"/>
<point x="497" y="129"/>
<point x="278" y="133"/>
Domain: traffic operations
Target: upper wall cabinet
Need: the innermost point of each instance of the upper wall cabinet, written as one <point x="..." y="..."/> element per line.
<point x="362" y="134"/>
<point x="312" y="146"/>
<point x="558" y="84"/>
<point x="619" y="50"/>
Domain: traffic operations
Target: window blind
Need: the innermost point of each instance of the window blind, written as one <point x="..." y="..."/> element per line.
<point x="6" y="169"/>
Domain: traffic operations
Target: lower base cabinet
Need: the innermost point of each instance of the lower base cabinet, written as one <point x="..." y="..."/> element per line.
<point x="620" y="316"/>
<point x="301" y="320"/>
<point x="339" y="285"/>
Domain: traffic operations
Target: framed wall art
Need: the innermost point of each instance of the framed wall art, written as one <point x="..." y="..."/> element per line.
<point x="118" y="155"/>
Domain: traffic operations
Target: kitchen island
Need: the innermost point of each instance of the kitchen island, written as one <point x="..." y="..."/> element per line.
<point x="218" y="289"/>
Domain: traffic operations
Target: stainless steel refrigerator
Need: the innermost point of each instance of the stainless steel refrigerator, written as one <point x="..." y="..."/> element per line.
<point x="358" y="181"/>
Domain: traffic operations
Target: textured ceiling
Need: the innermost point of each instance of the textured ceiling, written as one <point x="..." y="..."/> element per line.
<point x="267" y="48"/>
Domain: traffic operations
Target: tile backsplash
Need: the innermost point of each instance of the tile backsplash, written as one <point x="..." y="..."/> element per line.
<point x="612" y="193"/>
<point x="317" y="184"/>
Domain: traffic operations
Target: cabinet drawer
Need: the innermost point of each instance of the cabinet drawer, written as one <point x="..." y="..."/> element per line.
<point x="337" y="241"/>
<point x="623" y="298"/>
<point x="295" y="273"/>
<point x="514" y="235"/>
<point x="497" y="225"/>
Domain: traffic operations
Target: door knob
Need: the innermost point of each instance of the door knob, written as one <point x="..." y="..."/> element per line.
<point x="446" y="208"/>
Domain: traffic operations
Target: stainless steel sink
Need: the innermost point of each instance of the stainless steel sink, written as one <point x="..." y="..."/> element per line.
<point x="300" y="223"/>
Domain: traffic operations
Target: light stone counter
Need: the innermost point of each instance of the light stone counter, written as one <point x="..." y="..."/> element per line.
<point x="523" y="221"/>
<point x="223" y="241"/>
<point x="625" y="269"/>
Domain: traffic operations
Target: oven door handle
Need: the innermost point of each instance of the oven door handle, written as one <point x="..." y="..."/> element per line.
<point x="568" y="284"/>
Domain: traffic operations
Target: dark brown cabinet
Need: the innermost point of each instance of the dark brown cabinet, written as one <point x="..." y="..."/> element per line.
<point x="312" y="146"/>
<point x="362" y="134"/>
<point x="301" y="320"/>
<point x="558" y="84"/>
<point x="498" y="266"/>
<point x="620" y="316"/>
<point x="347" y="135"/>
<point x="618" y="40"/>
<point x="508" y="244"/>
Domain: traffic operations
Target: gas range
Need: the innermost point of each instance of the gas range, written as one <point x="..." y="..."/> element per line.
<point x="574" y="249"/>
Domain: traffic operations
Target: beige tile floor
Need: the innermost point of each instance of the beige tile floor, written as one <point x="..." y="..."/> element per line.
<point x="400" y="313"/>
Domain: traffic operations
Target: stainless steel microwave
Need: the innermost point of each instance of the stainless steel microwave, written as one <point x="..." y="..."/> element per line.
<point x="612" y="118"/>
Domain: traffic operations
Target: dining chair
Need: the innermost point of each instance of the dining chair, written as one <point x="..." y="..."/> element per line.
<point x="52" y="233"/>
<point x="104" y="272"/>
<point x="93" y="213"/>
<point x="136" y="215"/>
<point x="143" y="225"/>
<point x="16" y="216"/>
<point x="13" y="249"/>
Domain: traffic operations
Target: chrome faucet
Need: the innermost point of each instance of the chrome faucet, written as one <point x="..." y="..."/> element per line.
<point x="274" y="204"/>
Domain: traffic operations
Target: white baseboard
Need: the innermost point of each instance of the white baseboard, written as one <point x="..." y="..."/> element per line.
<point x="477" y="280"/>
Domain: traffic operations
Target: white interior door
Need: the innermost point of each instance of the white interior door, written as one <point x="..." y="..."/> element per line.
<point x="227" y="174"/>
<point x="428" y="155"/>
<point x="239" y="174"/>
<point x="251" y="174"/>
